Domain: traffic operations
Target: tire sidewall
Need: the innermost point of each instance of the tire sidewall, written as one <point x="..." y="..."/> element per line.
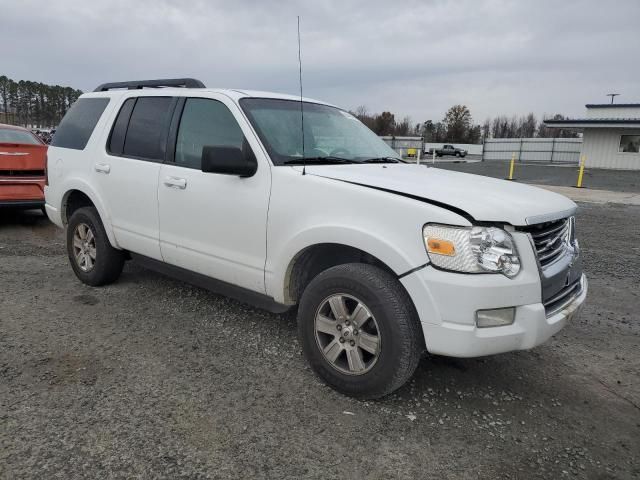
<point x="89" y="216"/>
<point x="385" y="368"/>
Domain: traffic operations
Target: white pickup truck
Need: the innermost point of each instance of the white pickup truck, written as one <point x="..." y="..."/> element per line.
<point x="384" y="260"/>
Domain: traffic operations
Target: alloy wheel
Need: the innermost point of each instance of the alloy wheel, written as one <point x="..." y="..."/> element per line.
<point x="84" y="247"/>
<point x="347" y="334"/>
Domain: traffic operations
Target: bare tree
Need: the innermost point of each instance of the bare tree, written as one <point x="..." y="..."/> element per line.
<point x="458" y="123"/>
<point x="528" y="126"/>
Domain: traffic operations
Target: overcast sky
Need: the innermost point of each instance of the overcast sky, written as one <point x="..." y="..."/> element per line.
<point x="413" y="58"/>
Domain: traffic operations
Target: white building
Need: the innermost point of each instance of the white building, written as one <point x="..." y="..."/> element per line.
<point x="611" y="135"/>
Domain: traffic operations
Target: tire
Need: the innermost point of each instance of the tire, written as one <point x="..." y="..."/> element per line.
<point x="393" y="321"/>
<point x="457" y="154"/>
<point x="102" y="263"/>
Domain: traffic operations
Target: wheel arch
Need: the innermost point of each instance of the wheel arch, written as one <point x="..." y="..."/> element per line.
<point x="319" y="248"/>
<point x="78" y="195"/>
<point x="316" y="258"/>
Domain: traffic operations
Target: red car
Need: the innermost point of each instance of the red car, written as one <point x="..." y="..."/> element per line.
<point x="22" y="168"/>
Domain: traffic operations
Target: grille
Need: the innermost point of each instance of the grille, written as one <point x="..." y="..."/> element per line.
<point x="563" y="298"/>
<point x="21" y="173"/>
<point x="550" y="239"/>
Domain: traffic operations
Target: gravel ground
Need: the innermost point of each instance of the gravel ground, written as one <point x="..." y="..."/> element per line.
<point x="545" y="174"/>
<point x="151" y="378"/>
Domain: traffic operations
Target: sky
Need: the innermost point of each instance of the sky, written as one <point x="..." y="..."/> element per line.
<point x="414" y="58"/>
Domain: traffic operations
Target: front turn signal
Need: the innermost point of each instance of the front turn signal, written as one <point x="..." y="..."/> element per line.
<point x="440" y="247"/>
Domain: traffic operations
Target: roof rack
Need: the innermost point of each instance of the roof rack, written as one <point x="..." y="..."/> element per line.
<point x="163" y="82"/>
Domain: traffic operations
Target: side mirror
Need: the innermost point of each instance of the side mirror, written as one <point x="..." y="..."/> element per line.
<point x="228" y="161"/>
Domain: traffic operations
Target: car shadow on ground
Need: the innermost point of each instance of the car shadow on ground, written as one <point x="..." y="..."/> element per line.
<point x="18" y="217"/>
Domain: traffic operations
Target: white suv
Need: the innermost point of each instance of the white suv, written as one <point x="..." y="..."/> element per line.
<point x="225" y="189"/>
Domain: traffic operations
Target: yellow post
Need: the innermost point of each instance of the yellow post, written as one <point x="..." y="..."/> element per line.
<point x="512" y="166"/>
<point x="581" y="171"/>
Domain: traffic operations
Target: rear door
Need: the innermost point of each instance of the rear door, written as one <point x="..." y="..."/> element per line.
<point x="211" y="223"/>
<point x="127" y="172"/>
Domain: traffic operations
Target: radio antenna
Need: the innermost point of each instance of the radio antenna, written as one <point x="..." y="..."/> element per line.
<point x="304" y="163"/>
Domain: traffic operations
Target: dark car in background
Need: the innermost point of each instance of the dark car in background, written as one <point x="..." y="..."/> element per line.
<point x="448" y="150"/>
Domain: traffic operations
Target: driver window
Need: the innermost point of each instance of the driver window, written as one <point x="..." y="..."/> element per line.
<point x="205" y="122"/>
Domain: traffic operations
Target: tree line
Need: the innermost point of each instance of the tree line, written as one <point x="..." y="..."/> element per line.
<point x="34" y="104"/>
<point x="458" y="126"/>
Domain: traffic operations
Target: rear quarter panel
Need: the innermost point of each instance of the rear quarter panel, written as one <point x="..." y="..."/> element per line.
<point x="69" y="169"/>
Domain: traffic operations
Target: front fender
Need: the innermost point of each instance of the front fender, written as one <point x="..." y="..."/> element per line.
<point x="391" y="254"/>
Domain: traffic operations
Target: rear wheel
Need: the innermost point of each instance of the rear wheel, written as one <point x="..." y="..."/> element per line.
<point x="359" y="330"/>
<point x="93" y="259"/>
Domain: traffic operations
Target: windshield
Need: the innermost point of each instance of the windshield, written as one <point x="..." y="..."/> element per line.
<point x="331" y="135"/>
<point x="9" y="135"/>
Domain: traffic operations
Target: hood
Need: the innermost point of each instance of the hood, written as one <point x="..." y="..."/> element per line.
<point x="475" y="197"/>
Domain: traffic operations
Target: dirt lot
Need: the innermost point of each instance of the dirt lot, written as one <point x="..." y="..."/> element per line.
<point x="150" y="378"/>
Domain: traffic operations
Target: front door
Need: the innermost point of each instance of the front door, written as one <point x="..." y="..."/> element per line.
<point x="211" y="223"/>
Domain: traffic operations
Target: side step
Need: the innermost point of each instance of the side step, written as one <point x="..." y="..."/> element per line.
<point x="213" y="285"/>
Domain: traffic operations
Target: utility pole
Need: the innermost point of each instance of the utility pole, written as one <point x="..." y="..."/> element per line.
<point x="612" y="95"/>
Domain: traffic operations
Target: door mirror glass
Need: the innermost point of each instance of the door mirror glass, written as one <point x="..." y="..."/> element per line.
<point x="228" y="161"/>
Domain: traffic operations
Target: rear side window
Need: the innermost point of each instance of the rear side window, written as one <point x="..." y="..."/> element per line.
<point x="76" y="127"/>
<point x="146" y="136"/>
<point x="116" y="140"/>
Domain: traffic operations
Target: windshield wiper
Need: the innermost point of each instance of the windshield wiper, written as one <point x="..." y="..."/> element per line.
<point x="319" y="161"/>
<point x="381" y="160"/>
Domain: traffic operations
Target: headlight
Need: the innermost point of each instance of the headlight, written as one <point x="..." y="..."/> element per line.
<point x="471" y="249"/>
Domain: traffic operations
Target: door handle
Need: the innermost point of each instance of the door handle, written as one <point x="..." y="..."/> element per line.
<point x="102" y="167"/>
<point x="175" y="182"/>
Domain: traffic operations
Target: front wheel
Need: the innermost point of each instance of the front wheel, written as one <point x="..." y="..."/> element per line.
<point x="359" y="330"/>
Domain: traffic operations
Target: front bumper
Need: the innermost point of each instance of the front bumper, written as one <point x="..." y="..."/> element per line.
<point x="531" y="328"/>
<point x="447" y="305"/>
